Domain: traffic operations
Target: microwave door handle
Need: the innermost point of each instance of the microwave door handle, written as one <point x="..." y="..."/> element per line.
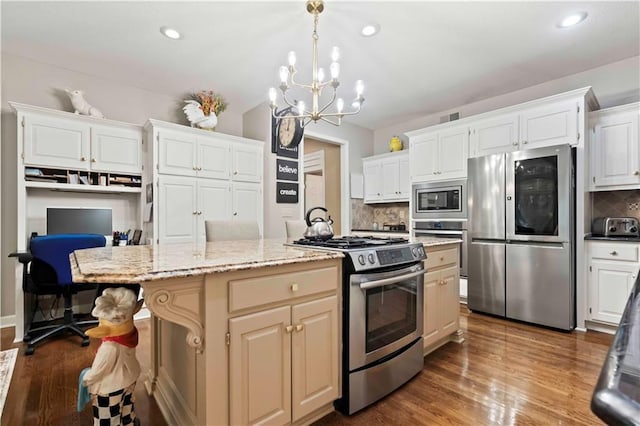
<point x="379" y="283"/>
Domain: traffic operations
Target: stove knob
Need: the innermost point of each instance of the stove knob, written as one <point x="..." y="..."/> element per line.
<point x="372" y="259"/>
<point x="633" y="229"/>
<point x="612" y="229"/>
<point x="415" y="252"/>
<point x="361" y="259"/>
<point x="421" y="251"/>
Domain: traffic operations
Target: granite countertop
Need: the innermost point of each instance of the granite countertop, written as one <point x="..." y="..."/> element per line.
<point x="406" y="231"/>
<point x="621" y="239"/>
<point x="133" y="264"/>
<point x="432" y="242"/>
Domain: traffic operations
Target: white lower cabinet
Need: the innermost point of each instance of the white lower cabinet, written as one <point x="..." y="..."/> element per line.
<point x="283" y="362"/>
<point x="613" y="269"/>
<point x="441" y="295"/>
<point x="184" y="204"/>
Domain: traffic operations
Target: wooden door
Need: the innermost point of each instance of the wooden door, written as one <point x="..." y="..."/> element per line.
<point x="431" y="326"/>
<point x="449" y="300"/>
<point x="260" y="368"/>
<point x="315" y="353"/>
<point x="611" y="284"/>
<point x="116" y="150"/>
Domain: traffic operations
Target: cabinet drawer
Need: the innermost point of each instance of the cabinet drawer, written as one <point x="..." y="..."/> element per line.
<point x="438" y="258"/>
<point x="626" y="252"/>
<point x="263" y="290"/>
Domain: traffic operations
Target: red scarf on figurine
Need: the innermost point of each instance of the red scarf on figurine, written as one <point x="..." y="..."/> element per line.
<point x="129" y="340"/>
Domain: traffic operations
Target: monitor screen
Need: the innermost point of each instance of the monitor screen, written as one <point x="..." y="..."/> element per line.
<point x="79" y="221"/>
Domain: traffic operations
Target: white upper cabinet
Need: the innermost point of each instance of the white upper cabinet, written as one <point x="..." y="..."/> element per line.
<point x="61" y="140"/>
<point x="440" y="155"/>
<point x="114" y="149"/>
<point x="247" y="163"/>
<point x="386" y="178"/>
<point x="615" y="156"/>
<point x="177" y="153"/>
<point x="213" y="159"/>
<point x="546" y="125"/>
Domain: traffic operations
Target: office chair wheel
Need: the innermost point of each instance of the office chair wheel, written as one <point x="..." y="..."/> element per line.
<point x="85" y="342"/>
<point x="30" y="350"/>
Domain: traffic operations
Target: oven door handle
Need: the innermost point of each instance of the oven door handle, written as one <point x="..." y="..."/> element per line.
<point x="379" y="283"/>
<point x="425" y="232"/>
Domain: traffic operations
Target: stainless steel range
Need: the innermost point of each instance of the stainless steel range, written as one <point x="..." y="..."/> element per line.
<point x="382" y="316"/>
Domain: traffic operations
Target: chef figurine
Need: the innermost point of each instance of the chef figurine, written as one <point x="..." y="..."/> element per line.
<point x="115" y="369"/>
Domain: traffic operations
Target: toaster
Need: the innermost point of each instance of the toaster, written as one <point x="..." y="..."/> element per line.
<point x="615" y="227"/>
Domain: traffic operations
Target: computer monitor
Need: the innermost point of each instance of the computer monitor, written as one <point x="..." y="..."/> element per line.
<point x="79" y="221"/>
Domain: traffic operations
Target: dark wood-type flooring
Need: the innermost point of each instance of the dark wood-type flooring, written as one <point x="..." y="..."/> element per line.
<point x="504" y="373"/>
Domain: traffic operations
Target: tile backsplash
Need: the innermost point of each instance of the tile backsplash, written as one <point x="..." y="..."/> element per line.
<point x="363" y="216"/>
<point x="616" y="203"/>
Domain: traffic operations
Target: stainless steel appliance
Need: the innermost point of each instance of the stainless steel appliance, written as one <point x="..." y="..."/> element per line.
<point x="440" y="200"/>
<point x="615" y="227"/>
<point x="382" y="315"/>
<point x="522" y="241"/>
<point x="453" y="229"/>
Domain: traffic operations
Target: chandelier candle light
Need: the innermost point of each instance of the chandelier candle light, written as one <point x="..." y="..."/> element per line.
<point x="315" y="7"/>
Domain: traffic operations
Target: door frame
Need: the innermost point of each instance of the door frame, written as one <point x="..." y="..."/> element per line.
<point x="345" y="200"/>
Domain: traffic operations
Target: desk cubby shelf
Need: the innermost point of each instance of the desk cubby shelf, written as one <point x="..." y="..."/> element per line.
<point x="81" y="181"/>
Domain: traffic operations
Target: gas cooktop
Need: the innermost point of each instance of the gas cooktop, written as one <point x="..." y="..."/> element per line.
<point x="350" y="243"/>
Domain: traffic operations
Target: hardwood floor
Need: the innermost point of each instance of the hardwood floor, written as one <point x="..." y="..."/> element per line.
<point x="504" y="373"/>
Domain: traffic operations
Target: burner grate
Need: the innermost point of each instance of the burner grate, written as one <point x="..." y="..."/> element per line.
<point x="346" y="243"/>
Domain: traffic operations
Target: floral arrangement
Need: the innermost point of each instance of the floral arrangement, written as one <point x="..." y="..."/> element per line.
<point x="210" y="102"/>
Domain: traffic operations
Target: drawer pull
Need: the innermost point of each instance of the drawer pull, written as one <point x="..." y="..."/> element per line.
<point x="613" y="253"/>
<point x="288" y="328"/>
<point x="294" y="287"/>
<point x="83" y="159"/>
<point x="194" y="168"/>
<point x="636" y="173"/>
<point x="299" y="327"/>
<point x="442" y="259"/>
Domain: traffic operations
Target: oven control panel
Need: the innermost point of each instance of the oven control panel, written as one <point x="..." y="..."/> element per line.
<point x="370" y="259"/>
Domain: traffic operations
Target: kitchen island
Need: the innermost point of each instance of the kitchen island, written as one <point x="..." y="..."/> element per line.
<point x="241" y="331"/>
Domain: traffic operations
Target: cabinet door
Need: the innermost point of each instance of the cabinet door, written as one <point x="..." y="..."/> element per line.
<point x="116" y="150"/>
<point x="616" y="157"/>
<point x="549" y="125"/>
<point x="315" y="353"/>
<point x="404" y="178"/>
<point x="453" y="149"/>
<point x="431" y="326"/>
<point x="177" y="209"/>
<point x="214" y="203"/>
<point x="213" y="159"/>
<point x="494" y="136"/>
<point x="247" y="202"/>
<point x="247" y="163"/>
<point x="424" y="158"/>
<point x="56" y="142"/>
<point x="390" y="173"/>
<point x="177" y="154"/>
<point x="611" y="284"/>
<point x="372" y="171"/>
<point x="449" y="300"/>
<point x="260" y="368"/>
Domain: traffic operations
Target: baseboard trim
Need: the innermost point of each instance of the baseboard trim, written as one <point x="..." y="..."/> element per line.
<point x="7" y="321"/>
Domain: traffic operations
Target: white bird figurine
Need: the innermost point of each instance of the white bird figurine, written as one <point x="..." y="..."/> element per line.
<point x="195" y="115"/>
<point x="80" y="105"/>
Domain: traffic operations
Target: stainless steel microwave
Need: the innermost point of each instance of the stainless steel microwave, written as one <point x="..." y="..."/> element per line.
<point x="440" y="200"/>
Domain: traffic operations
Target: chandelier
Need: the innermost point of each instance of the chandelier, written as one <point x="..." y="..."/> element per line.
<point x="317" y="111"/>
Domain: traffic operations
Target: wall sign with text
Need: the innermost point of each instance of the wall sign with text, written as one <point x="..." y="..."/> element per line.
<point x="286" y="170"/>
<point x="286" y="193"/>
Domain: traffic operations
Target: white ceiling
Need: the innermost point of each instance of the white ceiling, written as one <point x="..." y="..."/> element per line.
<point x="428" y="56"/>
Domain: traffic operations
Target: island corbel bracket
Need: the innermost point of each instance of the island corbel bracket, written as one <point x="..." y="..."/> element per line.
<point x="179" y="302"/>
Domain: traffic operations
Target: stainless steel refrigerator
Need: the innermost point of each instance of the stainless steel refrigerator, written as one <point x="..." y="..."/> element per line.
<point x="521" y="256"/>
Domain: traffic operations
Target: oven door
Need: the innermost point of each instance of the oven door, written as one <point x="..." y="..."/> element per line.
<point x="385" y="313"/>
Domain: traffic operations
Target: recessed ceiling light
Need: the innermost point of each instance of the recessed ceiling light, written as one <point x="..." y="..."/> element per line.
<point x="370" y="30"/>
<point x="573" y="19"/>
<point x="170" y="32"/>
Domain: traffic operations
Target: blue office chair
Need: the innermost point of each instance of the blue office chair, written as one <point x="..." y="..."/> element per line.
<point x="47" y="271"/>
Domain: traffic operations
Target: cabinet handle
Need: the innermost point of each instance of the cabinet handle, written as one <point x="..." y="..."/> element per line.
<point x="194" y="168"/>
<point x="235" y="213"/>
<point x="83" y="159"/>
<point x="199" y="212"/>
<point x="294" y="287"/>
<point x="636" y="173"/>
<point x="199" y="168"/>
<point x="435" y="173"/>
<point x="288" y="328"/>
<point x="299" y="327"/>
<point x="515" y="143"/>
<point x="614" y="253"/>
<point x="525" y="142"/>
<point x="442" y="259"/>
<point x="235" y="173"/>
<point x="195" y="212"/>
<point x="93" y="160"/>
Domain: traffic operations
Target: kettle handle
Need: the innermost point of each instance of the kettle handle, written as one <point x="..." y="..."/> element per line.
<point x="308" y="215"/>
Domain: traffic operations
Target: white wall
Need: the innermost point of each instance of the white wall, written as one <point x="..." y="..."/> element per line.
<point x="35" y="83"/>
<point x="257" y="125"/>
<point x="614" y="84"/>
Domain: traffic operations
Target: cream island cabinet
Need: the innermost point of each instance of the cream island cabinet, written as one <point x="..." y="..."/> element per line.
<point x="242" y="332"/>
